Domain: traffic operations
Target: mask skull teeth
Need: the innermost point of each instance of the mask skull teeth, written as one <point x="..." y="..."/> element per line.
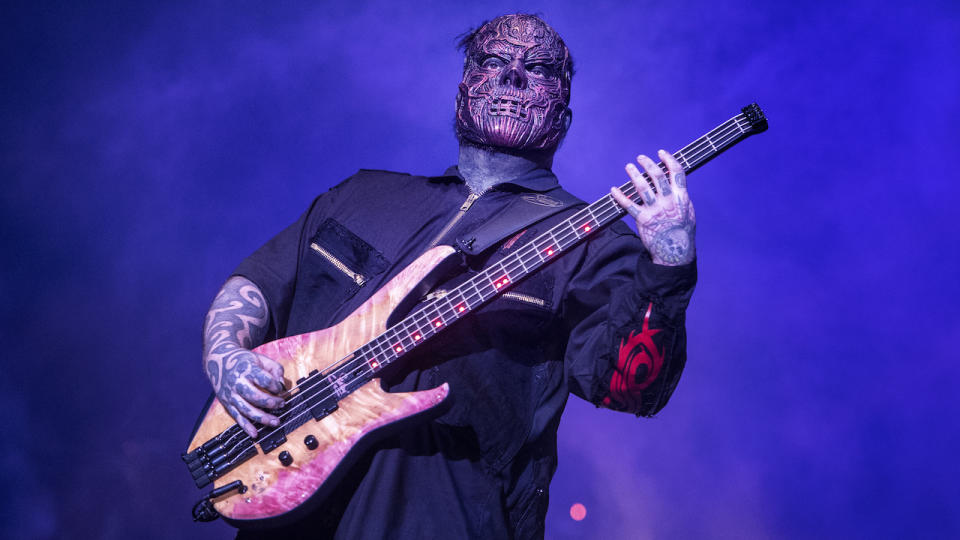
<point x="505" y="106"/>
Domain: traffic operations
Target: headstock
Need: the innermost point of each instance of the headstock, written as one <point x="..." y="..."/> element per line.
<point x="758" y="122"/>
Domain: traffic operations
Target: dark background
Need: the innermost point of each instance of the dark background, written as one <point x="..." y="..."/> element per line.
<point x="147" y="148"/>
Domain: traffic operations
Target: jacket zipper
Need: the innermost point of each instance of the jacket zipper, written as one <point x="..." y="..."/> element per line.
<point x="525" y="298"/>
<point x="357" y="278"/>
<point x="463" y="210"/>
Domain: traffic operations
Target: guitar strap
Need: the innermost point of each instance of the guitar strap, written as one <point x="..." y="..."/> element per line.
<point x="524" y="211"/>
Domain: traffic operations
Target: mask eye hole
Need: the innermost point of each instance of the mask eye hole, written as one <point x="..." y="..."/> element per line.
<point x="492" y="62"/>
<point x="539" y="70"/>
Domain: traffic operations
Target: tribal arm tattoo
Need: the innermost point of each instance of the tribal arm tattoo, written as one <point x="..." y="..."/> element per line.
<point x="241" y="379"/>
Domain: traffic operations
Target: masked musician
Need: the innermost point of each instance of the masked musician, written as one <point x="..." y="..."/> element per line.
<point x="605" y="321"/>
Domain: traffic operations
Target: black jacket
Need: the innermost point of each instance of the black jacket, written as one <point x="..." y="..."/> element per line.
<point x="602" y="322"/>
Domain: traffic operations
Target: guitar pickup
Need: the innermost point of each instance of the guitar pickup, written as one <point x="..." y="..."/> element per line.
<point x="273" y="440"/>
<point x="302" y="379"/>
<point x="324" y="408"/>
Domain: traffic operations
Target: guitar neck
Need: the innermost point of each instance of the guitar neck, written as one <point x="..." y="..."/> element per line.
<point x="433" y="317"/>
<point x="317" y="395"/>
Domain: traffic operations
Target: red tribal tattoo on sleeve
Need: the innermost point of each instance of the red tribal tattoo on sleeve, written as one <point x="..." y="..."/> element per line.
<point x="638" y="364"/>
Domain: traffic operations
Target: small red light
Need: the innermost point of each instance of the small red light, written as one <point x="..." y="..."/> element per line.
<point x="374" y="364"/>
<point x="549" y="251"/>
<point x="586" y="228"/>
<point x="398" y="348"/>
<point x="578" y="511"/>
<point x="416" y="337"/>
<point x="461" y="309"/>
<point x="499" y="284"/>
<point x="437" y="323"/>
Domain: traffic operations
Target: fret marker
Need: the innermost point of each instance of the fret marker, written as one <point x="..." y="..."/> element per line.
<point x="416" y="337"/>
<point x="461" y="308"/>
<point x="586" y="228"/>
<point x="549" y="252"/>
<point x="503" y="281"/>
<point x="398" y="348"/>
<point x="374" y="364"/>
<point x="437" y="323"/>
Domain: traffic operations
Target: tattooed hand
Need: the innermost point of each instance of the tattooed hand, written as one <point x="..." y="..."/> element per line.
<point x="241" y="378"/>
<point x="666" y="222"/>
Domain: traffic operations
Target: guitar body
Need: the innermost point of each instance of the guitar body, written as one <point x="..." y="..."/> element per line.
<point x="277" y="493"/>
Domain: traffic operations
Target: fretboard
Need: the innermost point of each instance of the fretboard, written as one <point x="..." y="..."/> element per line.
<point x="431" y="318"/>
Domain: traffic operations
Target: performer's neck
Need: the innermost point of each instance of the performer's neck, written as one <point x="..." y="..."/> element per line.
<point x="484" y="167"/>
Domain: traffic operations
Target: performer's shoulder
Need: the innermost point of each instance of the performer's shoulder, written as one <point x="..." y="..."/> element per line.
<point x="380" y="173"/>
<point x="385" y="181"/>
<point x="365" y="177"/>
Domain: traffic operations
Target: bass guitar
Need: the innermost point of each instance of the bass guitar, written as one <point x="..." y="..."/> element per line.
<point x="336" y="406"/>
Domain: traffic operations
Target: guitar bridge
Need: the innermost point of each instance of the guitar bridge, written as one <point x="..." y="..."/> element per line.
<point x="218" y="456"/>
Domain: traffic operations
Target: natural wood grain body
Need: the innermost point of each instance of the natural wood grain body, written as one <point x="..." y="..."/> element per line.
<point x="275" y="489"/>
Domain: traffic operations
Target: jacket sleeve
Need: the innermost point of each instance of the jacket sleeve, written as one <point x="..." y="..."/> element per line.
<point x="273" y="267"/>
<point x="625" y="318"/>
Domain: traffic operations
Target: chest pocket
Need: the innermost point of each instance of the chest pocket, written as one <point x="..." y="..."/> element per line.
<point x="334" y="266"/>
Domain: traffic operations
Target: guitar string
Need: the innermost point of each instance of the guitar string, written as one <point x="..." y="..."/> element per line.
<point x="422" y="320"/>
<point x="378" y="347"/>
<point x="443" y="310"/>
<point x="468" y="299"/>
<point x="705" y="149"/>
<point x="332" y="370"/>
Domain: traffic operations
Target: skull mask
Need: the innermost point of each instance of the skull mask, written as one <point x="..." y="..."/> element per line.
<point x="516" y="85"/>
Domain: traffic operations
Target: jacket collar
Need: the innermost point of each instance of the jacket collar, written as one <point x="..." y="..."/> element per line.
<point x="535" y="180"/>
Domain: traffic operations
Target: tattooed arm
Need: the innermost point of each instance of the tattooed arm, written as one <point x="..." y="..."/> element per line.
<point x="666" y="222"/>
<point x="237" y="321"/>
